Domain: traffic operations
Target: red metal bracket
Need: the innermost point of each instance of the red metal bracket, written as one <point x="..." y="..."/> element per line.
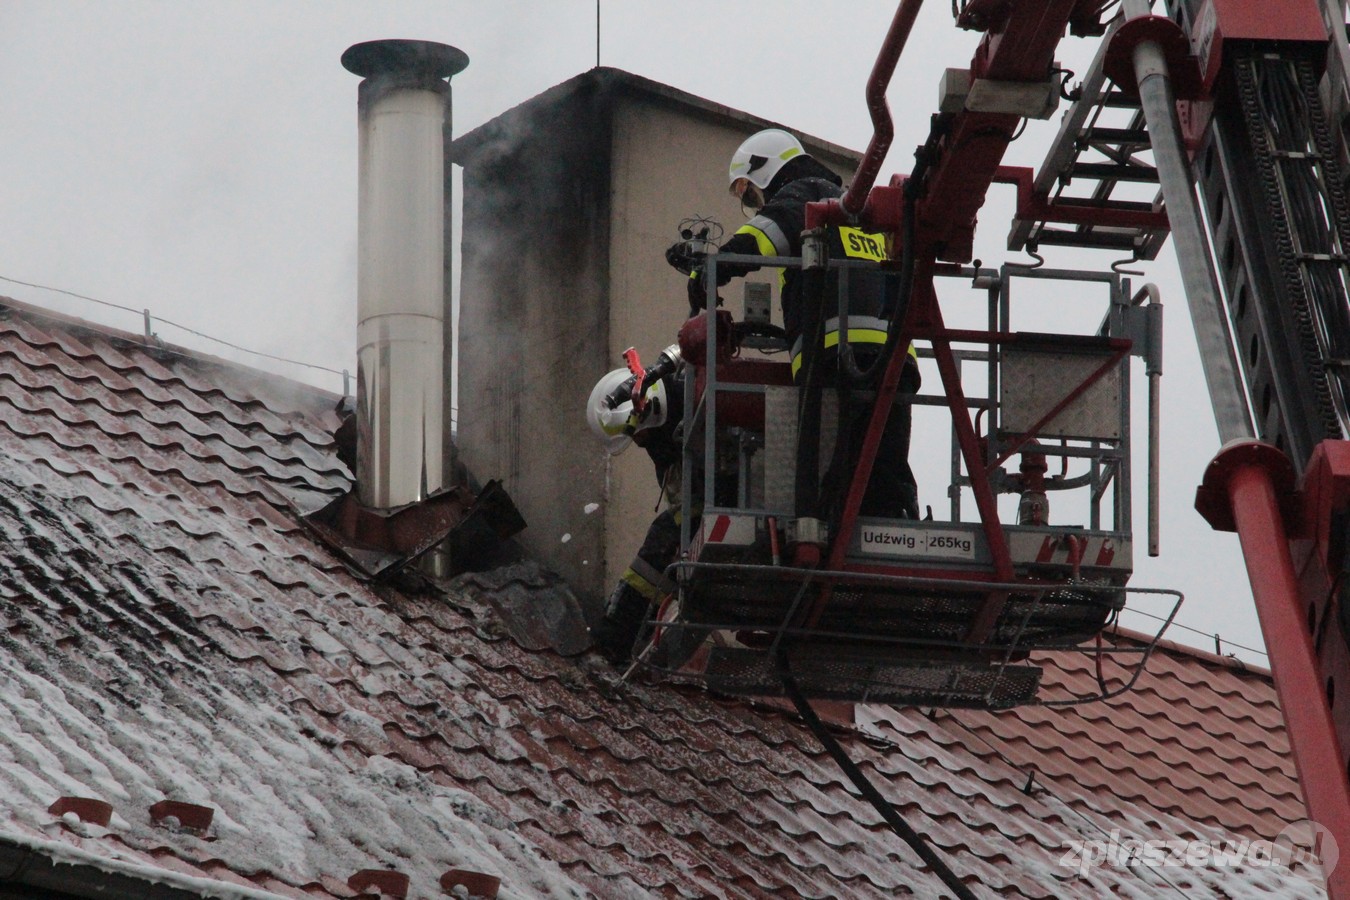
<point x="1037" y="207"/>
<point x="1255" y="479"/>
<point x="883" y="210"/>
<point x="1183" y="69"/>
<point x="1212" y="498"/>
<point x="478" y="884"/>
<point x="1254" y="21"/>
<point x="386" y="881"/>
<point x="1325" y="490"/>
<point x="94" y="812"/>
<point x="189" y="815"/>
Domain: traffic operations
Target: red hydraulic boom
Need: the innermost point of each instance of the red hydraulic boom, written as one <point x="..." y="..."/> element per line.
<point x="1226" y="115"/>
<point x="934" y="613"/>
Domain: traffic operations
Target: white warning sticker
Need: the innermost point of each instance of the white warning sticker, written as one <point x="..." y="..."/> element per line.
<point x="889" y="540"/>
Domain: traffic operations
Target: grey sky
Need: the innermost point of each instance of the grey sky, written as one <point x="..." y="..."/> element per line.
<point x="199" y="159"/>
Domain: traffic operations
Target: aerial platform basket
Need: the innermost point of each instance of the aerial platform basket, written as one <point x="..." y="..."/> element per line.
<point x="897" y="640"/>
<point x="1063" y="595"/>
<point x="951" y="612"/>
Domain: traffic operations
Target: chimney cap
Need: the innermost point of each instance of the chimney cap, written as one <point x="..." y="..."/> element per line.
<point x="420" y="59"/>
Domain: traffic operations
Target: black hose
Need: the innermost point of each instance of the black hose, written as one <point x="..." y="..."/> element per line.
<point x="894" y="311"/>
<point x="807" y="491"/>
<point x="871" y="794"/>
<point x="813" y="302"/>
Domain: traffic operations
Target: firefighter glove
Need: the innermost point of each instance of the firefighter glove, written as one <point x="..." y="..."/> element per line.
<point x="697" y="290"/>
<point x="681" y="257"/>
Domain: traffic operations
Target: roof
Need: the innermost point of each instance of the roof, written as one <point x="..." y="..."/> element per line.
<point x="169" y="632"/>
<point x="503" y="129"/>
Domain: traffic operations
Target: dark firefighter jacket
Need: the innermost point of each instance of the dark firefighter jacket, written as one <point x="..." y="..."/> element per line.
<point x="776" y="230"/>
<point x="663" y="443"/>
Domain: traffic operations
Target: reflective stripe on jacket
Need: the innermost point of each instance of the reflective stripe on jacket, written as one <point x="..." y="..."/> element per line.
<point x="861" y="330"/>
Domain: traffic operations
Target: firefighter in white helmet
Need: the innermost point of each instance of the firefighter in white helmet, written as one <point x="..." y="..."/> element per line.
<point x="610" y="413"/>
<point x="613" y="419"/>
<point x="775" y="178"/>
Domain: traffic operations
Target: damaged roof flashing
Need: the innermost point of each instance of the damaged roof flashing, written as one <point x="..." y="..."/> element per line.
<point x="464" y="529"/>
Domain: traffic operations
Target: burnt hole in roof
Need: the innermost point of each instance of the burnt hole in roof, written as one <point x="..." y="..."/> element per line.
<point x="40" y="546"/>
<point x="138" y="624"/>
<point x="81" y="556"/>
<point x="36" y="579"/>
<point x="127" y="698"/>
<point x="39" y="659"/>
<point x="126" y="599"/>
<point x="82" y="590"/>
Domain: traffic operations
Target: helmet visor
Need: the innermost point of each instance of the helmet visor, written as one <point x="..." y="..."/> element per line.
<point x="751" y="197"/>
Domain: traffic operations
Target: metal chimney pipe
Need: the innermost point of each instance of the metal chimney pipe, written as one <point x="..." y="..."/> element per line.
<point x="403" y="285"/>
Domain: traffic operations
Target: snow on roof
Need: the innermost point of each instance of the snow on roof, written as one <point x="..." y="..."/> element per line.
<point x="168" y="631"/>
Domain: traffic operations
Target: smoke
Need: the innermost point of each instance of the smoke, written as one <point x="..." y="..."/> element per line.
<point x="533" y="313"/>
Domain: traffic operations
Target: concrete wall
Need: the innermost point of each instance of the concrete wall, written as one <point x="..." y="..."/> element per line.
<point x="569" y="207"/>
<point x="534" y="323"/>
<point x="668" y="165"/>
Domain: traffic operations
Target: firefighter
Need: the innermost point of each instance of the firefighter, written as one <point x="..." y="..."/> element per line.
<point x="655" y="429"/>
<point x="775" y="178"/>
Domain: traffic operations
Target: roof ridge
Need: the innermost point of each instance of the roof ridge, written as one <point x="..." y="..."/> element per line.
<point x="610" y="77"/>
<point x="150" y="344"/>
<point x="1179" y="649"/>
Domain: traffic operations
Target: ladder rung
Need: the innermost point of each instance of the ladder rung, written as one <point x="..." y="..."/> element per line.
<point x="1113" y="172"/>
<point x="1116" y="136"/>
<point x="1119" y="100"/>
<point x="1092" y="239"/>
<point x="1109" y="203"/>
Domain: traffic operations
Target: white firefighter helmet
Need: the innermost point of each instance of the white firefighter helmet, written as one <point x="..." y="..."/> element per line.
<point x="761" y="156"/>
<point x="610" y="416"/>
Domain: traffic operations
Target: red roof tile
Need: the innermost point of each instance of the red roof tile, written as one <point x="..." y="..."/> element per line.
<point x="167" y="630"/>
